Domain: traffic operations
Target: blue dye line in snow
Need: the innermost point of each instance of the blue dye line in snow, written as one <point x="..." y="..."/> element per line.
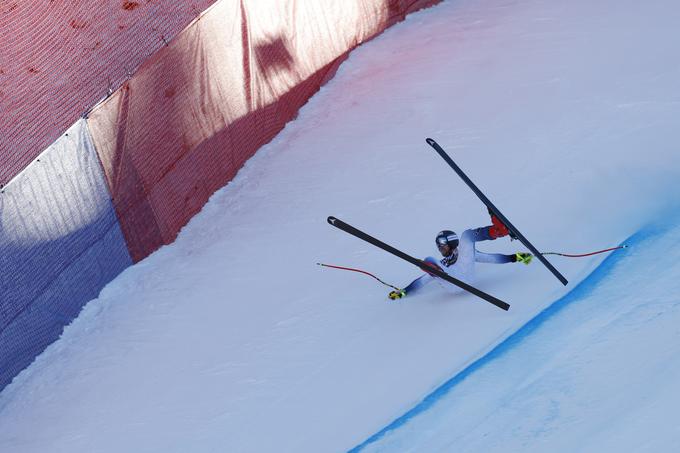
<point x="580" y="291"/>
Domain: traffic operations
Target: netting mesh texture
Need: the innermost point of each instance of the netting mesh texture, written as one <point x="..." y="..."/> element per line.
<point x="184" y="124"/>
<point x="57" y="59"/>
<point x="177" y="130"/>
<point x="60" y="243"/>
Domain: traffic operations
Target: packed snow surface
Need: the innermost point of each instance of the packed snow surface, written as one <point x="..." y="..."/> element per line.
<point x="233" y="339"/>
<point x="596" y="371"/>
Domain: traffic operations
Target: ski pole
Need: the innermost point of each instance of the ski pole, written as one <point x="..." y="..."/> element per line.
<point x="360" y="271"/>
<point x="624" y="246"/>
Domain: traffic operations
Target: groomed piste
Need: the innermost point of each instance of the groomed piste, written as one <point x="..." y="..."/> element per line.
<point x="231" y="338"/>
<point x="585" y="373"/>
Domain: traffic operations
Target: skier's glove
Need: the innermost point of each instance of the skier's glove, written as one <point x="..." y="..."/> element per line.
<point x="523" y="257"/>
<point x="394" y="295"/>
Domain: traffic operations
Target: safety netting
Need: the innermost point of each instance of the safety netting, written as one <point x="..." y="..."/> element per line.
<point x="57" y="59"/>
<point x="60" y="243"/>
<point x="178" y="128"/>
<point x="184" y="124"/>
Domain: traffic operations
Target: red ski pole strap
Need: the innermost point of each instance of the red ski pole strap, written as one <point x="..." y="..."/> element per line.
<point x="581" y="255"/>
<point x="361" y="272"/>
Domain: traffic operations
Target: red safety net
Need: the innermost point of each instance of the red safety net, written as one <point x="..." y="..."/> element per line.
<point x="194" y="112"/>
<point x="57" y="59"/>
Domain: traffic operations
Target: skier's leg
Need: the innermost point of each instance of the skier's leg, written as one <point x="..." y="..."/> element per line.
<point x="498" y="229"/>
<point x="489" y="233"/>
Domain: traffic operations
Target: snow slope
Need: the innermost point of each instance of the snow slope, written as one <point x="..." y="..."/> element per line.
<point x="232" y="339"/>
<point x="596" y="371"/>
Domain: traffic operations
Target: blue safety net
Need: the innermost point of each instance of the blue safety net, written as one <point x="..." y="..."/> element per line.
<point x="60" y="244"/>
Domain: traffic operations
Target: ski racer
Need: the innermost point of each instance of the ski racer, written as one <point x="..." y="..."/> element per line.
<point x="460" y="255"/>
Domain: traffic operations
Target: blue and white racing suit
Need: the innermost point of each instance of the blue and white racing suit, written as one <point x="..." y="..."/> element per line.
<point x="461" y="265"/>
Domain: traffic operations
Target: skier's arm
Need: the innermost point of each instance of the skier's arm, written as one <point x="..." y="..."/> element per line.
<point x="416" y="284"/>
<point x="494" y="258"/>
<point x="413" y="286"/>
<point x="497" y="258"/>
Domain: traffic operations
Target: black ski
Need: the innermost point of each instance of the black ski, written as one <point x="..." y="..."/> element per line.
<point x="419" y="263"/>
<point x="495" y="210"/>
